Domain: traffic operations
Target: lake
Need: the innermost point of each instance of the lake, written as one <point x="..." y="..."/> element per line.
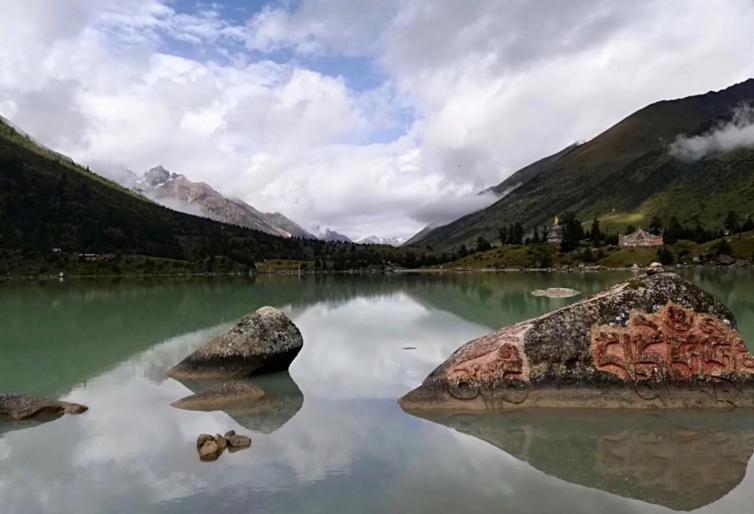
<point x="336" y="441"/>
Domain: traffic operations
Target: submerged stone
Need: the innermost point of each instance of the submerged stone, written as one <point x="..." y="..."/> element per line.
<point x="556" y="292"/>
<point x="262" y="342"/>
<point x="654" y="341"/>
<point x="20" y="407"/>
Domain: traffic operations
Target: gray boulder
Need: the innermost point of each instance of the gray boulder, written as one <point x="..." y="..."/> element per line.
<point x="19" y="407"/>
<point x="651" y="342"/>
<point x="265" y="341"/>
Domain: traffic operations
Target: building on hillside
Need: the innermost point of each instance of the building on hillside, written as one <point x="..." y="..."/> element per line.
<point x="640" y="239"/>
<point x="555" y="233"/>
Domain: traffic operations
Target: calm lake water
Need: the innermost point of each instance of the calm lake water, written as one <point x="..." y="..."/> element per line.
<point x="335" y="440"/>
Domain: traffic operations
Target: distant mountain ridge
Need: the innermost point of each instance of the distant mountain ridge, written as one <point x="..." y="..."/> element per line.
<point x="332" y="236"/>
<point x="376" y="240"/>
<point x="54" y="211"/>
<point x="177" y="192"/>
<point x="625" y="175"/>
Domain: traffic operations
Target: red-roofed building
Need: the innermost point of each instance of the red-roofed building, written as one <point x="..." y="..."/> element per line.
<point x="640" y="239"/>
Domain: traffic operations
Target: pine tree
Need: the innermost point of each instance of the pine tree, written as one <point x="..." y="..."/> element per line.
<point x="482" y="245"/>
<point x="596" y="232"/>
<point x="665" y="256"/>
<point x="731" y="223"/>
<point x="504" y="235"/>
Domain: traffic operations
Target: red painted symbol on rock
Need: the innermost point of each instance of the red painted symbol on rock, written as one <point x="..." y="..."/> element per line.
<point x="674" y="344"/>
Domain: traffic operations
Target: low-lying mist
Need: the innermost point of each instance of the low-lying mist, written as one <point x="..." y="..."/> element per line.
<point x="443" y="211"/>
<point x="735" y="133"/>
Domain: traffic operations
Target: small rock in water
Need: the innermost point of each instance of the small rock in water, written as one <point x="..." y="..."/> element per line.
<point x="239" y="441"/>
<point x="203" y="438"/>
<point x="556" y="292"/>
<point x="655" y="268"/>
<point x="210" y="447"/>
<point x="210" y="451"/>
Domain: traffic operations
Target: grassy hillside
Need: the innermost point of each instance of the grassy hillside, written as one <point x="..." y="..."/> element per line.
<point x="625" y="175"/>
<point x="547" y="255"/>
<point x="49" y="202"/>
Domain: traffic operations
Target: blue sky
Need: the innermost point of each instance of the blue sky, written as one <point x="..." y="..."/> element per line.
<point x="360" y="72"/>
<point x="368" y="117"/>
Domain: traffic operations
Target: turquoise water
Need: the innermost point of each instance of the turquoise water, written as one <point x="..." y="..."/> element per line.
<point x="337" y="441"/>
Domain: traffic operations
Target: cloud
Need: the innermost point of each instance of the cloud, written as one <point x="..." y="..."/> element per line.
<point x="275" y="109"/>
<point x="444" y="210"/>
<point x="332" y="27"/>
<point x="738" y="132"/>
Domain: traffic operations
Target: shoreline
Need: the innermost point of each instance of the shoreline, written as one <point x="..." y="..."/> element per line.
<point x="399" y="271"/>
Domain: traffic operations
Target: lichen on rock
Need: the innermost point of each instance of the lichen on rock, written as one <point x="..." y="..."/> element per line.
<point x="265" y="341"/>
<point x="655" y="341"/>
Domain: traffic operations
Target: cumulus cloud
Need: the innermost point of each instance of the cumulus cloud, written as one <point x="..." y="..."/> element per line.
<point x="274" y="108"/>
<point x="738" y="132"/>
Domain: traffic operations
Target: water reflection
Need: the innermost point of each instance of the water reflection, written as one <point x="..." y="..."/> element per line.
<point x="64" y="333"/>
<point x="282" y="400"/>
<point x="681" y="460"/>
<point x="338" y="442"/>
<point x="7" y="426"/>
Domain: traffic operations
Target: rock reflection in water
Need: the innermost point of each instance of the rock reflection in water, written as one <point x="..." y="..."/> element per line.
<point x="7" y="426"/>
<point x="282" y="400"/>
<point x="681" y="460"/>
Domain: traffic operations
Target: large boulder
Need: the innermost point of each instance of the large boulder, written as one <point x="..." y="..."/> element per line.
<point x="653" y="341"/>
<point x="262" y="342"/>
<point x="18" y="407"/>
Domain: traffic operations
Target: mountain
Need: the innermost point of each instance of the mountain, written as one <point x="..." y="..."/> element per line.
<point x="280" y="222"/>
<point x="632" y="172"/>
<point x="332" y="236"/>
<point x="179" y="193"/>
<point x="376" y="240"/>
<point x="416" y="238"/>
<point x="52" y="209"/>
<point x="527" y="173"/>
